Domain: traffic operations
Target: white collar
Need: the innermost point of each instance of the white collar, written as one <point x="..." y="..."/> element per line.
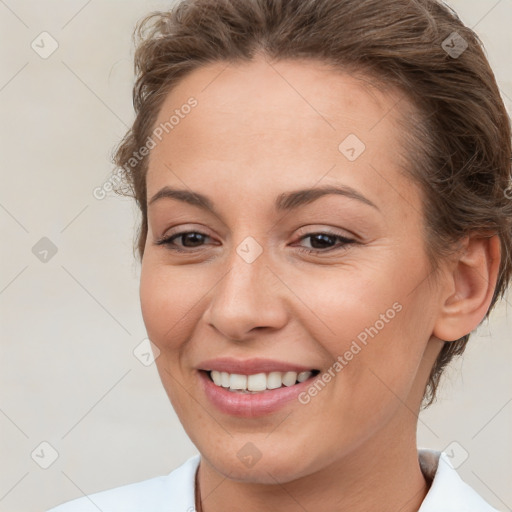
<point x="174" y="492"/>
<point x="447" y="493"/>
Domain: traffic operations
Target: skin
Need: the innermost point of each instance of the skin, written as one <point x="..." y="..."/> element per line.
<point x="261" y="129"/>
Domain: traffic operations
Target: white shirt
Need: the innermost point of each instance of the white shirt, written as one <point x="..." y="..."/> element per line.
<point x="175" y="492"/>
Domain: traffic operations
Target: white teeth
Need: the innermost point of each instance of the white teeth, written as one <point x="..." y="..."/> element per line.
<point x="274" y="380"/>
<point x="289" y="378"/>
<point x="302" y="376"/>
<point x="259" y="381"/>
<point x="237" y="381"/>
<point x="216" y="377"/>
<point x="224" y="379"/>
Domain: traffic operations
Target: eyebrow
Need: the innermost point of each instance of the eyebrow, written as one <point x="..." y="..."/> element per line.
<point x="284" y="202"/>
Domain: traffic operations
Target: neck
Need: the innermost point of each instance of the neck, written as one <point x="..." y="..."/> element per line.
<point x="381" y="475"/>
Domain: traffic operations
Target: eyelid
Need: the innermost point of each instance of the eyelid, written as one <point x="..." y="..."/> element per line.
<point x="318" y="229"/>
<point x="185" y="228"/>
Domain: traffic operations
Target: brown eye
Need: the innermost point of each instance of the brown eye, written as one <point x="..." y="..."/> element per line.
<point x="323" y="242"/>
<point x="189" y="239"/>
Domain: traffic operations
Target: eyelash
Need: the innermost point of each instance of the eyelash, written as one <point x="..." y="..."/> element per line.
<point x="168" y="241"/>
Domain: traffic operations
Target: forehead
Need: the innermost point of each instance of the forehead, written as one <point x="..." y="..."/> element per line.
<point x="261" y="124"/>
<point x="263" y="97"/>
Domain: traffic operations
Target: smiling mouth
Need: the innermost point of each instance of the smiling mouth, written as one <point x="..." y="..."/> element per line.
<point x="258" y="382"/>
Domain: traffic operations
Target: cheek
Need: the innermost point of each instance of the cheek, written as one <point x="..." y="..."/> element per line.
<point x="374" y="327"/>
<point x="154" y="304"/>
<point x="382" y="361"/>
<point x="167" y="302"/>
<point x="352" y="305"/>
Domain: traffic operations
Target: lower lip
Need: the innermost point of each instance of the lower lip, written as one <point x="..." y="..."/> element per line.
<point x="250" y="405"/>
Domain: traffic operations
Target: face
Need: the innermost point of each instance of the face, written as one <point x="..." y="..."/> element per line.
<point x="269" y="280"/>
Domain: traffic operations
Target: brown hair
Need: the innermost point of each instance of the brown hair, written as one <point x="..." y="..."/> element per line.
<point x="458" y="143"/>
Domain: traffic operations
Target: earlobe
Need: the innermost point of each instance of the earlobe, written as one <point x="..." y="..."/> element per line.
<point x="472" y="281"/>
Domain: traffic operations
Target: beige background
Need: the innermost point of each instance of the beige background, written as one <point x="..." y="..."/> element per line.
<point x="69" y="325"/>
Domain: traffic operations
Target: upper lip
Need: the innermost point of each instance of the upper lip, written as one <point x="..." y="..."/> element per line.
<point x="251" y="366"/>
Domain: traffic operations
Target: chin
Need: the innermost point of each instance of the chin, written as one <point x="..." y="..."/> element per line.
<point x="246" y="463"/>
<point x="263" y="472"/>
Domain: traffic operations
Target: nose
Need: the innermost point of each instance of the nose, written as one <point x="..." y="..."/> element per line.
<point x="248" y="298"/>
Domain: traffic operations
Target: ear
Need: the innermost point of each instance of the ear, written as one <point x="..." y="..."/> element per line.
<point x="471" y="281"/>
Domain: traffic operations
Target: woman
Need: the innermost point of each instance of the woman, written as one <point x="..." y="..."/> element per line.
<point x="326" y="217"/>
